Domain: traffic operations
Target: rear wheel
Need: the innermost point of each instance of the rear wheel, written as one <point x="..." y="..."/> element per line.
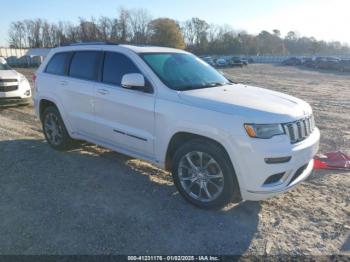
<point x="203" y="174"/>
<point x="54" y="129"/>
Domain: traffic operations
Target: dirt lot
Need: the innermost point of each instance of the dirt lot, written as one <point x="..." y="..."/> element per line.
<point x="94" y="201"/>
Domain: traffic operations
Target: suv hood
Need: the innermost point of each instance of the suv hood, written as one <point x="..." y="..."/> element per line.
<point x="254" y="104"/>
<point x="8" y="74"/>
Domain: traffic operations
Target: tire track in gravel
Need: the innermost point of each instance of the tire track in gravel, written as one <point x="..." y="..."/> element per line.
<point x="15" y="123"/>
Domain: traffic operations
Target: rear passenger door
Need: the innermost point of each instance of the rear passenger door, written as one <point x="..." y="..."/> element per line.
<point x="78" y="90"/>
<point x="124" y="117"/>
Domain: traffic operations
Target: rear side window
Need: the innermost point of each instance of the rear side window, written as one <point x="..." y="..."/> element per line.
<point x="84" y="65"/>
<point x="115" y="66"/>
<point x="57" y="64"/>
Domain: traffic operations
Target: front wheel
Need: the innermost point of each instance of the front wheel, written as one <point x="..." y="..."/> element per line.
<point x="203" y="174"/>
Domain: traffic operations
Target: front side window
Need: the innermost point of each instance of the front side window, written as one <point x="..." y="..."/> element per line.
<point x="84" y="65"/>
<point x="57" y="64"/>
<point x="115" y="66"/>
<point x="180" y="71"/>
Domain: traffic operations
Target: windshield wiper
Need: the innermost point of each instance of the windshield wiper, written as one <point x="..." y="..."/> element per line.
<point x="208" y="85"/>
<point x="214" y="84"/>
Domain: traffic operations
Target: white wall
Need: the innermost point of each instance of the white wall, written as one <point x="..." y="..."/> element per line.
<point x="7" y="52"/>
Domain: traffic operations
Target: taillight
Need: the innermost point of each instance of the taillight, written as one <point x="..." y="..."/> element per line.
<point x="35" y="86"/>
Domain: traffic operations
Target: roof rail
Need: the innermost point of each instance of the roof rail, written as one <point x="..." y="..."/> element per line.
<point x="93" y="43"/>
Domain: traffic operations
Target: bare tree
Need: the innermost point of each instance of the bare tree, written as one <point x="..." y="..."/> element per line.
<point x="189" y="33"/>
<point x="123" y="25"/>
<point x="196" y="33"/>
<point x="135" y="26"/>
<point x="17" y="34"/>
<point x="105" y="26"/>
<point x="88" y="30"/>
<point x="139" y="20"/>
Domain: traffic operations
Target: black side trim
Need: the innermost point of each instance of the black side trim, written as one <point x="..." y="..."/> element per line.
<point x="137" y="137"/>
<point x="130" y="135"/>
<point x="119" y="132"/>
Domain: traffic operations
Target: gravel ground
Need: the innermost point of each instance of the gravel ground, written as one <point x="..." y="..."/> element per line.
<point x="94" y="201"/>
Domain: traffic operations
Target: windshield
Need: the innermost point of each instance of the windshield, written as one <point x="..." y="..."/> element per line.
<point x="4" y="66"/>
<point x="183" y="71"/>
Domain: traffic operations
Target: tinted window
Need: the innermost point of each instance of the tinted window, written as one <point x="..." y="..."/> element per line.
<point x="84" y="65"/>
<point x="183" y="71"/>
<point x="57" y="64"/>
<point x="115" y="66"/>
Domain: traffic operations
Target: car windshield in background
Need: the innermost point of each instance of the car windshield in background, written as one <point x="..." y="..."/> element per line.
<point x="183" y="71"/>
<point x="4" y="67"/>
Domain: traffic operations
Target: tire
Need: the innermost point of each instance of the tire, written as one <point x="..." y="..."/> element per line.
<point x="59" y="139"/>
<point x="183" y="174"/>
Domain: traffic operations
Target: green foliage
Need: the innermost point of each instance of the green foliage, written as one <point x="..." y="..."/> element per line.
<point x="166" y="32"/>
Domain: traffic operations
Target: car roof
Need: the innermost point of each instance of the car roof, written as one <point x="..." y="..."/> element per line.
<point x="152" y="49"/>
<point x="116" y="47"/>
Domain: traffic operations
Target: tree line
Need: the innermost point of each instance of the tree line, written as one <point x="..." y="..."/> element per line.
<point x="137" y="26"/>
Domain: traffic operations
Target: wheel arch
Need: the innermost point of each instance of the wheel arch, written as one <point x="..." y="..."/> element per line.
<point x="46" y="102"/>
<point x="43" y="104"/>
<point x="179" y="139"/>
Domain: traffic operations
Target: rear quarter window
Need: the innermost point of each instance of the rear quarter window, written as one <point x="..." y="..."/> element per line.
<point x="84" y="65"/>
<point x="58" y="64"/>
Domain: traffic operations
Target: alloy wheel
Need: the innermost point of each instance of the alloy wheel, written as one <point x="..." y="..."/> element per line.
<point x="201" y="176"/>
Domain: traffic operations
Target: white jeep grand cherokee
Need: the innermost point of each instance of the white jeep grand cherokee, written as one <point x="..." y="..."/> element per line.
<point x="14" y="87"/>
<point x="222" y="141"/>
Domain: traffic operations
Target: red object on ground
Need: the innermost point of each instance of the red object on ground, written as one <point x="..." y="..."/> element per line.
<point x="332" y="160"/>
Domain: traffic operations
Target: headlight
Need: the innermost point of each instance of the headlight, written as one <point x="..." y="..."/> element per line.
<point x="22" y="78"/>
<point x="264" y="131"/>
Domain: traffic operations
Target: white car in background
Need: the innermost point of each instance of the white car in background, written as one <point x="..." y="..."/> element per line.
<point x="222" y="141"/>
<point x="14" y="87"/>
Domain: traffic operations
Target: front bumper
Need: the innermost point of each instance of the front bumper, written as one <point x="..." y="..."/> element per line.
<point x="9" y="101"/>
<point x="22" y="95"/>
<point x="252" y="171"/>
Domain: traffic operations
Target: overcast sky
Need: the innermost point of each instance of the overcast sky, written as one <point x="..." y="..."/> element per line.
<point x="323" y="19"/>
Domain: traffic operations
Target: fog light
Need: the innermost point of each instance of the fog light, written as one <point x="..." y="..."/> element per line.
<point x="274" y="179"/>
<point x="27" y="93"/>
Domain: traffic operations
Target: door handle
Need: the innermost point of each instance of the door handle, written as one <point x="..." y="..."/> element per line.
<point x="63" y="83"/>
<point x="102" y="91"/>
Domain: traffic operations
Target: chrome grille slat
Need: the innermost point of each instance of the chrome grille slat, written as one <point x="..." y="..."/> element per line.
<point x="300" y="134"/>
<point x="8" y="88"/>
<point x="303" y="130"/>
<point x="299" y="130"/>
<point x="308" y="128"/>
<point x="291" y="131"/>
<point x="295" y="131"/>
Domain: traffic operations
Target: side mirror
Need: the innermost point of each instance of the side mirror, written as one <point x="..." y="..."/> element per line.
<point x="136" y="81"/>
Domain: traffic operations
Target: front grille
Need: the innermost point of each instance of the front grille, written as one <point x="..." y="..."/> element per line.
<point x="8" y="80"/>
<point x="9" y="99"/>
<point x="299" y="130"/>
<point x="8" y="88"/>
